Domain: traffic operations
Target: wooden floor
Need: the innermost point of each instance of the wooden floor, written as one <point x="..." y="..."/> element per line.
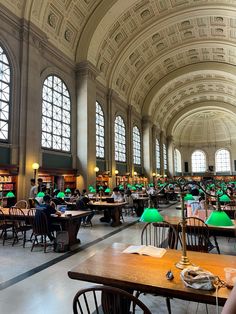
<point x="35" y="282"/>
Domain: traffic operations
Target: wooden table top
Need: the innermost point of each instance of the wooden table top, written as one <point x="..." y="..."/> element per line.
<point x="148" y="274"/>
<point x="105" y="204"/>
<point x="73" y="213"/>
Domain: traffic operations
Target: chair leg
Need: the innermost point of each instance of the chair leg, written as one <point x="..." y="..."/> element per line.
<point x="168" y="305"/>
<point x="45" y="243"/>
<point x="216" y="244"/>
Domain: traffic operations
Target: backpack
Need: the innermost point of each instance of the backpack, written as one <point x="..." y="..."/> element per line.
<point x="61" y="243"/>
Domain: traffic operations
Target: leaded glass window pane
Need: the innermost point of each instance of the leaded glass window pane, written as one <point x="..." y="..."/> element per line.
<point x="158" y="155"/>
<point x="120" y="143"/>
<point x="198" y="161"/>
<point x="136" y="146"/>
<point x="165" y="157"/>
<point x="177" y="160"/>
<point x="100" y="132"/>
<point x="56" y="115"/>
<point x="5" y="89"/>
<point x="222" y="160"/>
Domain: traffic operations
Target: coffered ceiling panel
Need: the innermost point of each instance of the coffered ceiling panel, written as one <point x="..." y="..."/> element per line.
<point x="164" y="57"/>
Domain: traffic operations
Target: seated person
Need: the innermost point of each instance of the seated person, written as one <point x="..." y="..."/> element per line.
<point x="48" y="209"/>
<point x="117" y="195"/>
<point x="82" y="203"/>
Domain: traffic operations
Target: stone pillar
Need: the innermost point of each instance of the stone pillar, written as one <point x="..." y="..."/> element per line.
<point x="162" y="171"/>
<point x="170" y="155"/>
<point x="129" y="137"/>
<point x="147" y="147"/>
<point x="86" y="119"/>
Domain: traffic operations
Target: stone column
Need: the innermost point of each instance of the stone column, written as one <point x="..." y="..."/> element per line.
<point x="86" y="119"/>
<point x="147" y="147"/>
<point x="170" y="155"/>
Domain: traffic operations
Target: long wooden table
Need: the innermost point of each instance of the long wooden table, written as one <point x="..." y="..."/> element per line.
<point x="114" y="210"/>
<point x="70" y="221"/>
<point x="148" y="274"/>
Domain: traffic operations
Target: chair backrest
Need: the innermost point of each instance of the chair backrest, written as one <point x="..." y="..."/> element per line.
<point x="104" y="299"/>
<point x="2" y="218"/>
<point x="159" y="234"/>
<point x="40" y="223"/>
<point x="21" y="204"/>
<point x="197" y="234"/>
<point x="129" y="200"/>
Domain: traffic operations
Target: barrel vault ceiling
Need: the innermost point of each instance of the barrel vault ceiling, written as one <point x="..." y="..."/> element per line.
<point x="172" y="60"/>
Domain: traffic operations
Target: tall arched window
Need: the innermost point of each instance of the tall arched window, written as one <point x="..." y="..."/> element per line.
<point x="5" y="92"/>
<point x="165" y="157"/>
<point x="158" y="155"/>
<point x="100" y="141"/>
<point x="222" y="160"/>
<point x="177" y="160"/>
<point x="136" y="146"/>
<point x="120" y="144"/>
<point x="56" y="115"/>
<point x="198" y="161"/>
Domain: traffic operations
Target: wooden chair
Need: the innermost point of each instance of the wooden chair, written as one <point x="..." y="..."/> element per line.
<point x="22" y="204"/>
<point x="40" y="228"/>
<point x="159" y="234"/>
<point x="5" y="225"/>
<point x="104" y="299"/>
<point x="19" y="221"/>
<point x="197" y="235"/>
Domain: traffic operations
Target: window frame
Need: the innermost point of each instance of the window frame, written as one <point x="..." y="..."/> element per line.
<point x="65" y="97"/>
<point x="205" y="164"/>
<point x="229" y="161"/>
<point x="117" y="125"/>
<point x="158" y="154"/>
<point x="137" y="149"/>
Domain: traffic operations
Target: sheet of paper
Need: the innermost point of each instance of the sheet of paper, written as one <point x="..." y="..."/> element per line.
<point x="145" y="250"/>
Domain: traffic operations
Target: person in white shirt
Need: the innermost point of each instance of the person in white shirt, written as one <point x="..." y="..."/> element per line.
<point x="33" y="190"/>
<point x="117" y="195"/>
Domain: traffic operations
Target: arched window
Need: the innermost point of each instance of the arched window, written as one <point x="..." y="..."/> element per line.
<point x="120" y="144"/>
<point x="56" y="115"/>
<point x="136" y="146"/>
<point x="222" y="160"/>
<point x="100" y="133"/>
<point x="5" y="92"/>
<point x="165" y="157"/>
<point x="177" y="160"/>
<point x="158" y="155"/>
<point x="198" y="161"/>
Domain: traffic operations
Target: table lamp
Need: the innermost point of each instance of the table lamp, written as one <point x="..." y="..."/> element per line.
<point x="40" y="194"/>
<point x="151" y="214"/>
<point x="219" y="217"/>
<point x="67" y="190"/>
<point x="10" y="194"/>
<point x="61" y="195"/>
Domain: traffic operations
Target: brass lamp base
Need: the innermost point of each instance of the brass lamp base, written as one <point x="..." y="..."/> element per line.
<point x="183" y="263"/>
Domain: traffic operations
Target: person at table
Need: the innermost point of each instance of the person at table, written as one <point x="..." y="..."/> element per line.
<point x="75" y="196"/>
<point x="49" y="209"/>
<point x="230" y="304"/>
<point x="117" y="195"/>
<point x="83" y="203"/>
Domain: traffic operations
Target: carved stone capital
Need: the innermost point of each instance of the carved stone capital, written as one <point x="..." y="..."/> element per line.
<point x="87" y="69"/>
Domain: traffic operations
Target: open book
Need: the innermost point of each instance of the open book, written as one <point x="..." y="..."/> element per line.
<point x="145" y="250"/>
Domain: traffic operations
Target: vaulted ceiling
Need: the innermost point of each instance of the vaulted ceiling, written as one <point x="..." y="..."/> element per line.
<point x="173" y="60"/>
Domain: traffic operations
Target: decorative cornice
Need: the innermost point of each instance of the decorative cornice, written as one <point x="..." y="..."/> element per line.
<point x="86" y="68"/>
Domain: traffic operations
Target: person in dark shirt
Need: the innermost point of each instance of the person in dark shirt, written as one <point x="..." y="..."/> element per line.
<point x="83" y="204"/>
<point x="48" y="209"/>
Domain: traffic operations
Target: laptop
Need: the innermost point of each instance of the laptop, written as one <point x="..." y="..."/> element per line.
<point x="110" y="200"/>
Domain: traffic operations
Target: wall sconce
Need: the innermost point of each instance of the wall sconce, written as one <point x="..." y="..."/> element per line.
<point x="35" y="167"/>
<point x="116" y="173"/>
<point x="96" y="169"/>
<point x="135" y="173"/>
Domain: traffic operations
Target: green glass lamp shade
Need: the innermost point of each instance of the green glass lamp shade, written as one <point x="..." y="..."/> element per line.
<point x="188" y="197"/>
<point x="133" y="188"/>
<point x="67" y="190"/>
<point x="219" y="192"/>
<point x="219" y="218"/>
<point x="129" y="185"/>
<point x="151" y="184"/>
<point x="91" y="188"/>
<point x="10" y="194"/>
<point x="100" y="188"/>
<point x="61" y="195"/>
<point x="40" y="194"/>
<point x="107" y="190"/>
<point x="224" y="198"/>
<point x="151" y="215"/>
<point x="201" y="191"/>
